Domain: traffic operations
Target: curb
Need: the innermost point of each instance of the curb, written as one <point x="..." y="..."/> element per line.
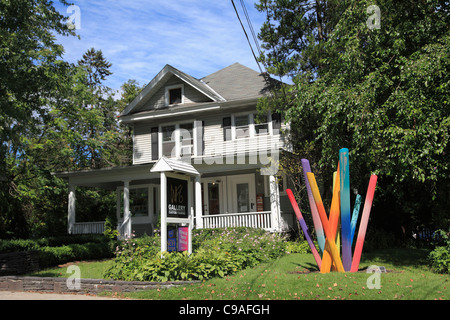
<point x="86" y="286"/>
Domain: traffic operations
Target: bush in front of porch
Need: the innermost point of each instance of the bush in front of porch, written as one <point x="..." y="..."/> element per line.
<point x="217" y="253"/>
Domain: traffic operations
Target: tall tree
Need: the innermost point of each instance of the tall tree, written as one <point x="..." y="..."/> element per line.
<point x="383" y="93"/>
<point x="295" y="32"/>
<point x="30" y="73"/>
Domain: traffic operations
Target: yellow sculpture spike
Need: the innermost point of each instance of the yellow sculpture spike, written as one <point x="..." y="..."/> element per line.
<point x="330" y="245"/>
<point x="333" y="221"/>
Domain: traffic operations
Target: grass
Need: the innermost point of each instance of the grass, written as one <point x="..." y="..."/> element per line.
<point x="295" y="277"/>
<point x="88" y="270"/>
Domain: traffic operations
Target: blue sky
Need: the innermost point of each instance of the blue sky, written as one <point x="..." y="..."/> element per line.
<point x="139" y="37"/>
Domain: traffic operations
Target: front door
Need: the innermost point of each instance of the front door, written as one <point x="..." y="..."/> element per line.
<point x="242" y="195"/>
<point x="212" y="196"/>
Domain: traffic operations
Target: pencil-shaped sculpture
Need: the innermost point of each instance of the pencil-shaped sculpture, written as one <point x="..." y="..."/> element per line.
<point x="344" y="175"/>
<point x="364" y="221"/>
<point x="355" y="216"/>
<point x="330" y="245"/>
<point x="304" y="227"/>
<point x="312" y="204"/>
<point x="333" y="223"/>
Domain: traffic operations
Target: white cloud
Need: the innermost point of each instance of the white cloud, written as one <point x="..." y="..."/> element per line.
<point x="139" y="37"/>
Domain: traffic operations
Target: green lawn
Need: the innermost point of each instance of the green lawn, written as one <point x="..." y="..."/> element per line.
<point x="409" y="279"/>
<point x="295" y="276"/>
<point x="88" y="270"/>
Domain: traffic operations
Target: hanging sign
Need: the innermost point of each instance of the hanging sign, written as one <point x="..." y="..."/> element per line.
<point x="177" y="198"/>
<point x="183" y="239"/>
<point x="171" y="239"/>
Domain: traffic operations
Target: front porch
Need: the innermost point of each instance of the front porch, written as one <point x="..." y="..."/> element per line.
<point x="258" y="220"/>
<point x="224" y="197"/>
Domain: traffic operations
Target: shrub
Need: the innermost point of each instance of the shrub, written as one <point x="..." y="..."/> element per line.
<point x="17" y="245"/>
<point x="218" y="252"/>
<point x="51" y="256"/>
<point x="298" y="247"/>
<point x="58" y="250"/>
<point x="440" y="257"/>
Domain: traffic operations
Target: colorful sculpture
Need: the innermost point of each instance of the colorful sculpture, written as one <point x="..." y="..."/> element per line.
<point x="326" y="228"/>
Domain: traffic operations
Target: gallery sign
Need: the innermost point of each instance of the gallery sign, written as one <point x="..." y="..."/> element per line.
<point x="177" y="198"/>
<point x="183" y="239"/>
<point x="171" y="239"/>
<point x="177" y="239"/>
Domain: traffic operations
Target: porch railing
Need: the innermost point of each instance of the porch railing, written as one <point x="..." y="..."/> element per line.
<point x="89" y="227"/>
<point x="259" y="220"/>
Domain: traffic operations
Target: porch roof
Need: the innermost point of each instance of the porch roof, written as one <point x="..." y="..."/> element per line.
<point x="110" y="178"/>
<point x="165" y="165"/>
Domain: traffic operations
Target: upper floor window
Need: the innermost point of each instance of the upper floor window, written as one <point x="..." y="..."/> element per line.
<point x="261" y="124"/>
<point x="168" y="144"/>
<point x="176" y="140"/>
<point x="174" y="94"/>
<point x="186" y="139"/>
<point x="249" y="125"/>
<point x="226" y="125"/>
<point x="242" y="124"/>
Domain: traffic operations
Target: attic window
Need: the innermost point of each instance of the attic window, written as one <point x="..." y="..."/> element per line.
<point x="174" y="95"/>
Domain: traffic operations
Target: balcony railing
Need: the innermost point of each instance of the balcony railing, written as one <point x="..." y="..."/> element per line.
<point x="89" y="227"/>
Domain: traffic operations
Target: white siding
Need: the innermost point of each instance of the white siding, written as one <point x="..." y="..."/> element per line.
<point x="191" y="95"/>
<point x="214" y="144"/>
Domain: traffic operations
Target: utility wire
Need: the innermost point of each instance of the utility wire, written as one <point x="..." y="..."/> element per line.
<point x="255" y="38"/>
<point x="246" y="35"/>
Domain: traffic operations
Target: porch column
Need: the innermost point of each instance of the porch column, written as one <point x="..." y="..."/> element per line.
<point x="198" y="203"/>
<point x="163" y="212"/>
<point x="71" y="216"/>
<point x="274" y="203"/>
<point x="126" y="209"/>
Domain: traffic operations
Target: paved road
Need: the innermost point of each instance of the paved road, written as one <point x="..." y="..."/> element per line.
<point x="10" y="295"/>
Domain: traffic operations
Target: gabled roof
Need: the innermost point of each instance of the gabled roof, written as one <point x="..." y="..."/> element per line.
<point x="235" y="82"/>
<point x="171" y="165"/>
<point x="163" y="75"/>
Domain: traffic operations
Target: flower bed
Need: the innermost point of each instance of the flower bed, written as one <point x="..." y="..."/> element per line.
<point x="217" y="253"/>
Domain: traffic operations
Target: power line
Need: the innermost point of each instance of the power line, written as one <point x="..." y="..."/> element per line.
<point x="246" y="35"/>
<point x="255" y="38"/>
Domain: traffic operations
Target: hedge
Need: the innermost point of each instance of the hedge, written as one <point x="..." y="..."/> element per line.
<point x="59" y="250"/>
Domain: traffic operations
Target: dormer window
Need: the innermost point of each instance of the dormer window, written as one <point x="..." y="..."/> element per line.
<point x="174" y="95"/>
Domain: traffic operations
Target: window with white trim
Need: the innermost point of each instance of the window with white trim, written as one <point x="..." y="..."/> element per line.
<point x="242" y="125"/>
<point x="168" y="144"/>
<point x="174" y="95"/>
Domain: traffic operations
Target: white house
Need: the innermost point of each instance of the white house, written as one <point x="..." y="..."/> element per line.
<point x="210" y="124"/>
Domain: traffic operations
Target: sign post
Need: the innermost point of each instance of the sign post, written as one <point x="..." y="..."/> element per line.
<point x="177" y="198"/>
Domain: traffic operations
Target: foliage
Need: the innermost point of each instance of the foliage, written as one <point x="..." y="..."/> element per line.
<point x="218" y="252"/>
<point x="57" y="250"/>
<point x="54" y="116"/>
<point x="51" y="256"/>
<point x="294" y="277"/>
<point x="111" y="228"/>
<point x="17" y="245"/>
<point x="440" y="257"/>
<point x="382" y="93"/>
<point x="295" y="32"/>
<point x="298" y="247"/>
